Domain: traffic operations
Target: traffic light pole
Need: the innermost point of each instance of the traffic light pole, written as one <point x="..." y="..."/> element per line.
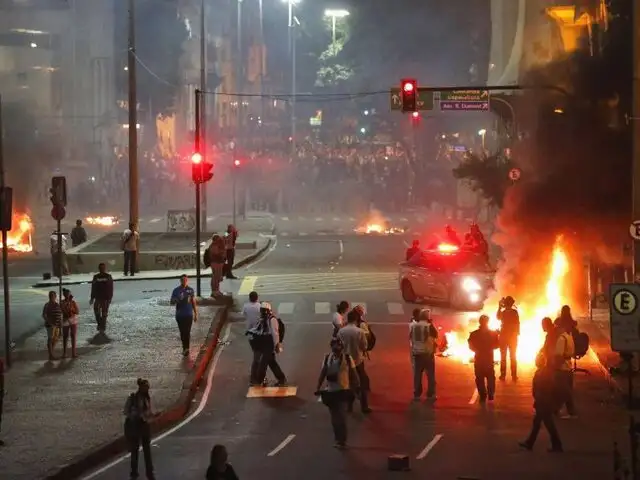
<point x="197" y="185"/>
<point x="5" y="263"/>
<point x="203" y="109"/>
<point x="59" y="255"/>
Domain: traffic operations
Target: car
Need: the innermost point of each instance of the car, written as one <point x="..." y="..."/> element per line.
<point x="447" y="274"/>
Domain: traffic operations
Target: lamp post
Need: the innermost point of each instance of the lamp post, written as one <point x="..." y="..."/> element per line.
<point x="483" y="133"/>
<point x="293" y="21"/>
<point x="334" y="15"/>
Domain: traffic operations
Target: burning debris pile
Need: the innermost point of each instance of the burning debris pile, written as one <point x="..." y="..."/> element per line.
<point x="19" y="238"/>
<point x="102" y="221"/>
<point x="377" y="224"/>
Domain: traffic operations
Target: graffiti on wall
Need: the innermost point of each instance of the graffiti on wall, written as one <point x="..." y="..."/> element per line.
<point x="181" y="220"/>
<point x="175" y="261"/>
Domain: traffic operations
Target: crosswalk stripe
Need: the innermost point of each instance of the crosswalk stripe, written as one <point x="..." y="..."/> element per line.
<point x="395" y="308"/>
<point x="247" y="285"/>
<point x="318" y="219"/>
<point x="336" y="219"/>
<point x="285" y="234"/>
<point x="286" y="219"/>
<point x="319" y="283"/>
<point x="322" y="308"/>
<point x="303" y="234"/>
<point x="210" y="219"/>
<point x="285" y="308"/>
<point x="155" y="220"/>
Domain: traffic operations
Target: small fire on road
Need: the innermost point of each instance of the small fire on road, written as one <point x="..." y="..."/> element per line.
<point x="102" y="221"/>
<point x="377" y="224"/>
<point x="19" y="237"/>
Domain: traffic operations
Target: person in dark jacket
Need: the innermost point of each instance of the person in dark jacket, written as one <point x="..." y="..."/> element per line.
<point x="219" y="467"/>
<point x="483" y="342"/>
<point x="137" y="430"/>
<point x="78" y="234"/>
<point x="545" y="404"/>
<point x="509" y="332"/>
<point x="412" y="250"/>
<point x="101" y="296"/>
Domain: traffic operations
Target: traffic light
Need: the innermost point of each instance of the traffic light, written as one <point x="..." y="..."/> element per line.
<point x="409" y="93"/>
<point x="207" y="172"/>
<point x="415" y="118"/>
<point x="58" y="191"/>
<point x="201" y="172"/>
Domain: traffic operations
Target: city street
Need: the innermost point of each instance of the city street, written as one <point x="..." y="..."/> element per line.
<point x="290" y="438"/>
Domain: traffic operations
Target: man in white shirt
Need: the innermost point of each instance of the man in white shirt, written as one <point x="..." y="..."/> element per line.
<point x="423" y="338"/>
<point x="251" y="314"/>
<point x="130" y="246"/>
<point x="338" y="321"/>
<point x="354" y="340"/>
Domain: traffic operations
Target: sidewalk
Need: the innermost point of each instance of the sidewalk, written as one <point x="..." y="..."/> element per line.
<point x="58" y="411"/>
<point x="243" y="258"/>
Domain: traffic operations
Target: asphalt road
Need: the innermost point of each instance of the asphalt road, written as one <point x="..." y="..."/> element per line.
<point x="453" y="438"/>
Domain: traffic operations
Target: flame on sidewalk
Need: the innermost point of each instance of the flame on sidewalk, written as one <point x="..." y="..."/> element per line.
<point x="551" y="300"/>
<point x="19" y="238"/>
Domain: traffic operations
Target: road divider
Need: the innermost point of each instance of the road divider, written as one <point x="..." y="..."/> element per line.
<point x="425" y="451"/>
<point x="281" y="446"/>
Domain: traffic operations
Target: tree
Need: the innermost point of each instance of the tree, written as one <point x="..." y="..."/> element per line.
<point x="331" y="71"/>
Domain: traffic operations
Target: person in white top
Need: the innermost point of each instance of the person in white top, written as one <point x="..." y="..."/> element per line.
<point x="251" y="314"/>
<point x="423" y="338"/>
<point x="57" y="264"/>
<point x="130" y="245"/>
<point x="338" y="320"/>
<point x="265" y="337"/>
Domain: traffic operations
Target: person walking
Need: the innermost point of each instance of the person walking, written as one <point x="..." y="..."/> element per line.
<point x="251" y="314"/>
<point x="219" y="466"/>
<point x="564" y="352"/>
<point x="509" y="333"/>
<point x="354" y="340"/>
<point x="339" y="371"/>
<point x="338" y="320"/>
<point x="266" y="338"/>
<point x="70" y="312"/>
<point x="130" y="246"/>
<point x="138" y="415"/>
<point x="101" y="296"/>
<point x="423" y="340"/>
<point x="78" y="234"/>
<point x="52" y="316"/>
<point x="483" y="342"/>
<point x="545" y="403"/>
<point x="184" y="298"/>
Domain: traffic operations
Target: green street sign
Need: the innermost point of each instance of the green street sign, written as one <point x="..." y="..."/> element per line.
<point x="465" y="96"/>
<point x="425" y="99"/>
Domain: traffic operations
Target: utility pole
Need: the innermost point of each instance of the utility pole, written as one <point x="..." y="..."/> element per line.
<point x="133" y="119"/>
<point x="198" y="114"/>
<point x="5" y="263"/>
<point x="262" y="68"/>
<point x="239" y="77"/>
<point x="292" y="43"/>
<point x="635" y="126"/>
<point x="203" y="108"/>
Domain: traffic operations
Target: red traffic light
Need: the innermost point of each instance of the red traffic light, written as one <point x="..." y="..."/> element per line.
<point x="415" y="115"/>
<point x="236" y="163"/>
<point x="196" y="158"/>
<point x="409" y="94"/>
<point x="408" y="87"/>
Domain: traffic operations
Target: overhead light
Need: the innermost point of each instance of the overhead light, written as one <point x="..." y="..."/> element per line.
<point x="33" y="45"/>
<point x="126" y="69"/>
<point x="482" y="132"/>
<point x="339" y="13"/>
<point x="27" y="31"/>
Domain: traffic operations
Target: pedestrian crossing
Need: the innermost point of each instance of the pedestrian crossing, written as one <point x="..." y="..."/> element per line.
<point x="375" y="310"/>
<point x="318" y="283"/>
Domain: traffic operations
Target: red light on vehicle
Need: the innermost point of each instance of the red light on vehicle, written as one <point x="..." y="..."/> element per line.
<point x="236" y="163"/>
<point x="196" y="158"/>
<point x="408" y="87"/>
<point x="415" y="115"/>
<point x="447" y="248"/>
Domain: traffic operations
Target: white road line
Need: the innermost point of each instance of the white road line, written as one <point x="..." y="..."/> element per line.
<point x="156" y="220"/>
<point x="266" y="254"/>
<point x="474" y="397"/>
<point x="395" y="308"/>
<point x="322" y="308"/>
<point x="286" y="219"/>
<point x="303" y="234"/>
<point x="210" y="219"/>
<point x="302" y="218"/>
<point x="284" y="443"/>
<point x="190" y="418"/>
<point x="322" y="234"/>
<point x="284" y="234"/>
<point x="336" y="219"/>
<point x="341" y="245"/>
<point x="429" y="446"/>
<point x="285" y="308"/>
<point x="318" y="219"/>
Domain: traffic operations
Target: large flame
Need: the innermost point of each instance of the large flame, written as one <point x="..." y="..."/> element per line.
<point x="531" y="337"/>
<point x="19" y="237"/>
<point x="102" y="221"/>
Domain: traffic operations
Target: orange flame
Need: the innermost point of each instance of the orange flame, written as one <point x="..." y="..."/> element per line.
<point x="377" y="223"/>
<point x="102" y="221"/>
<point x="19" y="237"/>
<point x="531" y="337"/>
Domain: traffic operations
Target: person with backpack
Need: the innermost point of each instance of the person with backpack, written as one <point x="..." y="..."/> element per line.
<point x="137" y="429"/>
<point x="565" y="351"/>
<point x="354" y="340"/>
<point x="364" y="325"/>
<point x="267" y="337"/>
<point x="338" y="321"/>
<point x="483" y="342"/>
<point x="339" y="372"/>
<point x="423" y="339"/>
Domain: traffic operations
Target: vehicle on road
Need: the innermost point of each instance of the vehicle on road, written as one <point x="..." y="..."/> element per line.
<point x="447" y="274"/>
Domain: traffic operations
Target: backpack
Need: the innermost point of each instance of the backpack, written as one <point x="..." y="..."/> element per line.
<point x="206" y="257"/>
<point x="581" y="342"/>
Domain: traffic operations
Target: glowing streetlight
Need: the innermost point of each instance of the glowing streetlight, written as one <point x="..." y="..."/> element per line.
<point x="334" y="14"/>
<point x="483" y="133"/>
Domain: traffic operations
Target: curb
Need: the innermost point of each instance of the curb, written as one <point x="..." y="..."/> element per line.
<point x="174" y="276"/>
<point x="166" y="419"/>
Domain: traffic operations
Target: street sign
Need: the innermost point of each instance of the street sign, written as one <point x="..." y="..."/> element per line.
<point x="464" y="100"/>
<point x="625" y="318"/>
<point x="58" y="212"/>
<point x="514" y="174"/>
<point x="424" y="100"/>
<point x="634" y="230"/>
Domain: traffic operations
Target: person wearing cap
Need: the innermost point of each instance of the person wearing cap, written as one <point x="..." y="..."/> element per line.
<point x="354" y="340"/>
<point x="265" y="338"/>
<point x="483" y="342"/>
<point x="423" y="338"/>
<point x="509" y="333"/>
<point x="137" y="430"/>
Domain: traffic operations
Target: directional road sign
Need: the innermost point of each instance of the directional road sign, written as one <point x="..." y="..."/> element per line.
<point x="624" y="300"/>
<point x="634" y="230"/>
<point x="425" y="99"/>
<point x="464" y="100"/>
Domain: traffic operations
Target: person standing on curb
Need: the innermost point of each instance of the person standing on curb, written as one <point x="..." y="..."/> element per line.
<point x="101" y="296"/>
<point x="230" y="238"/>
<point x="137" y="429"/>
<point x="1" y="396"/>
<point x="184" y="298"/>
<point x="52" y="316"/>
<point x="216" y="259"/>
<point x="130" y="246"/>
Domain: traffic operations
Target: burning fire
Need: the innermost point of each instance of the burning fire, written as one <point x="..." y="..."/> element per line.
<point x="377" y="223"/>
<point x="19" y="238"/>
<point x="102" y="221"/>
<point x="531" y="335"/>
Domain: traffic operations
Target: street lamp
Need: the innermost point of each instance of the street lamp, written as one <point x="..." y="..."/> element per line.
<point x="483" y="133"/>
<point x="293" y="21"/>
<point x="334" y="15"/>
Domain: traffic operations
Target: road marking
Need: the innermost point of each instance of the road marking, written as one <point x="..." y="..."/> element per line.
<point x="318" y="219"/>
<point x="286" y="308"/>
<point x="156" y="220"/>
<point x="302" y="218"/>
<point x="272" y="392"/>
<point x="210" y="219"/>
<point x="286" y="219"/>
<point x="341" y="244"/>
<point x="284" y="234"/>
<point x="395" y="308"/>
<point x="351" y="219"/>
<point x="474" y="397"/>
<point x="265" y="255"/>
<point x="247" y="285"/>
<point x="322" y="308"/>
<point x="336" y="219"/>
<point x="429" y="446"/>
<point x="203" y="402"/>
<point x="322" y="233"/>
<point x="284" y="443"/>
<point x="303" y="234"/>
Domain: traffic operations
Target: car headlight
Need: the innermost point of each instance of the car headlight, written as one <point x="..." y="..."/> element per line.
<point x="471" y="285"/>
